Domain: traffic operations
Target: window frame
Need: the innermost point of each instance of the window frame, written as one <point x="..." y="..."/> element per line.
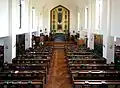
<point x="98" y="14"/>
<point x="20" y="14"/>
<point x="79" y="21"/>
<point x="86" y="17"/>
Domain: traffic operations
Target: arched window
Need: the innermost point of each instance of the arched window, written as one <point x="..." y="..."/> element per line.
<point x="21" y="13"/>
<point x="33" y="18"/>
<point x="78" y="21"/>
<point x="86" y="17"/>
<point x="98" y="13"/>
<point x="41" y="21"/>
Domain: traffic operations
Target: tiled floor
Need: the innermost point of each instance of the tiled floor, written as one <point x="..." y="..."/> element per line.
<point x="58" y="75"/>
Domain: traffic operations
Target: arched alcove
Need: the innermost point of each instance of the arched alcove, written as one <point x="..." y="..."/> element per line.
<point x="59" y="20"/>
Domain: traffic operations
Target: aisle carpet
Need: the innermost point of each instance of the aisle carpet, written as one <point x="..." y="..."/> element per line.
<point x="58" y="74"/>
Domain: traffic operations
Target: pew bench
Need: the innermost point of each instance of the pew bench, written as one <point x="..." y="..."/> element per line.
<point x="26" y="67"/>
<point x="22" y="78"/>
<point x="31" y="61"/>
<point x="33" y="55"/>
<point x="78" y="76"/>
<point x="92" y="66"/>
<point x="96" y="83"/>
<point x="22" y="83"/>
<point x="86" y="61"/>
<point x="88" y="70"/>
<point x="22" y="75"/>
<point x="80" y="53"/>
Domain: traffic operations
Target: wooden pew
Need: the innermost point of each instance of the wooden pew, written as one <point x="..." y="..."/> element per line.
<point x="40" y="50"/>
<point x="34" y="56"/>
<point x="22" y="75"/>
<point x="96" y="83"/>
<point x="87" y="61"/>
<point x="96" y="74"/>
<point x="35" y="62"/>
<point x="117" y="57"/>
<point x="31" y="61"/>
<point x="75" y="48"/>
<point x="37" y="53"/>
<point x="29" y="69"/>
<point x="87" y="70"/>
<point x="44" y="59"/>
<point x="92" y="66"/>
<point x="90" y="75"/>
<point x="80" y="53"/>
<point x="22" y="83"/>
<point x="42" y="67"/>
<point x="1" y="57"/>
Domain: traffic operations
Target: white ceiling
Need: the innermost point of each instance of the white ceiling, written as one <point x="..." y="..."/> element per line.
<point x="39" y="4"/>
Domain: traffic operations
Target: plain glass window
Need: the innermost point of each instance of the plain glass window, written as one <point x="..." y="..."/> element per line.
<point x="98" y="13"/>
<point x="33" y="18"/>
<point x="41" y="21"/>
<point x="86" y="17"/>
<point x="78" y="21"/>
<point x="21" y="13"/>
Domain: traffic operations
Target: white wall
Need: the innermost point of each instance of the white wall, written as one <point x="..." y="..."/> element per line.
<point x="12" y="22"/>
<point x="27" y="40"/>
<point x="9" y="11"/>
<point x="82" y="18"/>
<point x="24" y="17"/>
<point x="92" y="17"/>
<point x="26" y="25"/>
<point x="46" y="21"/>
<point x="45" y="10"/>
<point x="104" y="28"/>
<point x="4" y="42"/>
<point x="115" y="18"/>
<point x="117" y="42"/>
<point x="91" y="23"/>
<point x="108" y="40"/>
<point x="4" y="18"/>
<point x="44" y="6"/>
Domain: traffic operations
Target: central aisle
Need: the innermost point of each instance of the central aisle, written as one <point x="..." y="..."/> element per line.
<point x="58" y="75"/>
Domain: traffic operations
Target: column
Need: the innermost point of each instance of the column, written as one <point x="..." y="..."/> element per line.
<point x="10" y="52"/>
<point x="90" y="33"/>
<point x="108" y="40"/>
<point x="28" y="40"/>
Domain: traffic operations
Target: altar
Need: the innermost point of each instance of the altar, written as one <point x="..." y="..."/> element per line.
<point x="59" y="37"/>
<point x="60" y="31"/>
<point x="59" y="23"/>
